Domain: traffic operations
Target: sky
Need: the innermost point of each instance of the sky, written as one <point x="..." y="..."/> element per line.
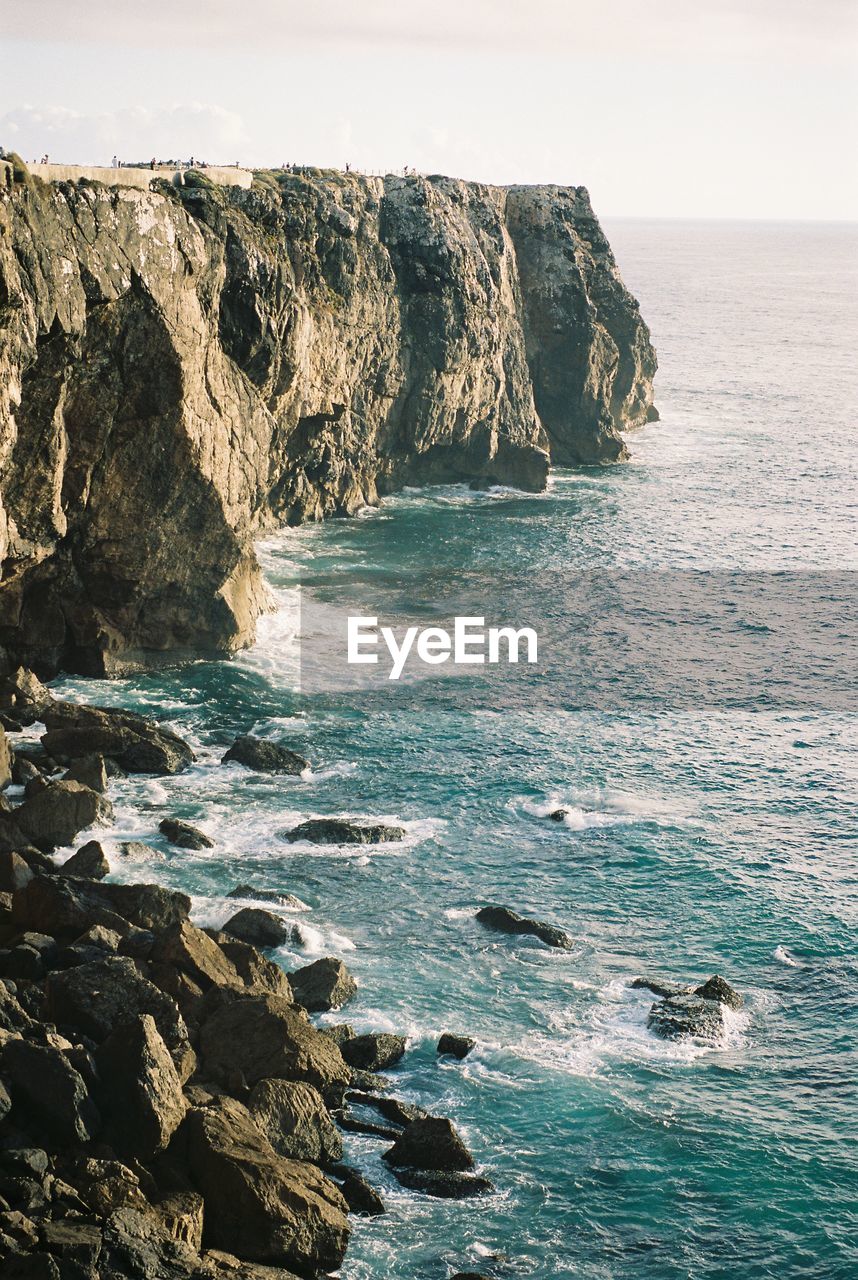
<point x="662" y="108"/>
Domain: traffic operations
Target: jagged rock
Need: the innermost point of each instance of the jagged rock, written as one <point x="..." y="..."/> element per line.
<point x="218" y="1265"/>
<point x="373" y="1052"/>
<point x="52" y="1094"/>
<point x="138" y="1243"/>
<point x="256" y="971"/>
<point x="89" y="863"/>
<point x="77" y="1245"/>
<point x="98" y="936"/>
<point x="361" y="1197"/>
<point x="35" y="785"/>
<point x="182" y="1215"/>
<point x="264" y="756"/>
<point x="54" y="816"/>
<point x="295" y="1120"/>
<point x="184" y="946"/>
<point x="454" y="1046"/>
<point x="5" y="760"/>
<point x="369" y="1082"/>
<point x="557" y="815"/>
<point x="64" y="906"/>
<point x="506" y="921"/>
<point x="100" y="996"/>
<point x="354" y="1124"/>
<point x="258" y="927"/>
<point x="15" y="872"/>
<point x="686" y="1015"/>
<point x="326" y="984"/>
<point x="24" y="697"/>
<point x="91" y="771"/>
<point x="106" y="1185"/>
<point x="443" y="1183"/>
<point x="718" y="988"/>
<point x="140" y="1089"/>
<point x="430" y="1143"/>
<point x="5" y="1102"/>
<point x="343" y="831"/>
<point x="22" y="962"/>
<point x="339" y="1032"/>
<point x="184" y="835"/>
<point x="286" y="900"/>
<point x="137" y="745"/>
<point x="264" y="1037"/>
<point x="24" y="770"/>
<point x="258" y="1204"/>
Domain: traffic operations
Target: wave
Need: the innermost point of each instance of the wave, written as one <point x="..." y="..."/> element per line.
<point x="599" y="807"/>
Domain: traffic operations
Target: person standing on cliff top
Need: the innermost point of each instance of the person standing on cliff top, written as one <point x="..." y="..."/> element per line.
<point x="152" y="163"/>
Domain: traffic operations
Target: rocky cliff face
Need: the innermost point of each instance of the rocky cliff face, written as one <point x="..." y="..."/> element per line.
<point x="182" y="368"/>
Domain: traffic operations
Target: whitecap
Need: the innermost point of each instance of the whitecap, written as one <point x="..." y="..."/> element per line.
<point x="783" y="956"/>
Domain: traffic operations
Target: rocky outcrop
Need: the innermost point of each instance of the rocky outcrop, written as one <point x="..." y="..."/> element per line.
<point x="504" y="920"/>
<point x="184" y="367"/>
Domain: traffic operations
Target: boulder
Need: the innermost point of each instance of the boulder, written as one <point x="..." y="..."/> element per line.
<point x="138" y="745"/>
<point x="89" y="770"/>
<point x="50" y="1092"/>
<point x="75" y="1244"/>
<point x="5" y="759"/>
<point x="54" y="816"/>
<point x="138" y="1243"/>
<point x="190" y="949"/>
<point x="326" y="984"/>
<point x="15" y="872"/>
<point x="373" y="1052"/>
<point x="65" y="906"/>
<point x="264" y="1037"/>
<point x="23" y="697"/>
<point x="287" y="900"/>
<point x="718" y="988"/>
<point x="24" y="771"/>
<point x="453" y="1046"/>
<point x="506" y="921"/>
<point x="557" y="815"/>
<point x="339" y="1032"/>
<point x="141" y="1093"/>
<point x="295" y="1120"/>
<point x="220" y="1265"/>
<point x="184" y="835"/>
<point x="264" y="757"/>
<point x="257" y="1204"/>
<point x="256" y="971"/>
<point x="400" y="1113"/>
<point x="89" y="863"/>
<point x="102" y="995"/>
<point x="687" y="1015"/>
<point x="360" y="1196"/>
<point x="258" y="927"/>
<point x="445" y="1184"/>
<point x="343" y="831"/>
<point x="430" y="1143"/>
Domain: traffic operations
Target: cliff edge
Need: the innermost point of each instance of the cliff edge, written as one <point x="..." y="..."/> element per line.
<point x="184" y="367"/>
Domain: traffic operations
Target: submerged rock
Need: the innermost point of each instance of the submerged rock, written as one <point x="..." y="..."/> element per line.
<point x="324" y="985"/>
<point x="507" y="921"/>
<point x="137" y="851"/>
<point x="455" y="1046"/>
<point x="259" y="927"/>
<point x="135" y="743"/>
<point x="659" y="988"/>
<point x="446" y="1184"/>
<point x="343" y="831"/>
<point x="184" y="835"/>
<point x="265" y="757"/>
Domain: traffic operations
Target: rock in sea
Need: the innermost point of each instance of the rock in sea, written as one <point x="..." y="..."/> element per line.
<point x="343" y="831"/>
<point x="264" y="757"/>
<point x="507" y="921"/>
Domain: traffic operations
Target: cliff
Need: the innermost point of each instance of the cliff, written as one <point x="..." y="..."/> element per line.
<point x="184" y="367"/>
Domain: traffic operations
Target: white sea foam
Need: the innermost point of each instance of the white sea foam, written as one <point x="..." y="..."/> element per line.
<point x="600" y="807"/>
<point x="783" y="956"/>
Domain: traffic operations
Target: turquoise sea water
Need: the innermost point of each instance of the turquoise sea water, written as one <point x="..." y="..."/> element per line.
<point x="701" y="838"/>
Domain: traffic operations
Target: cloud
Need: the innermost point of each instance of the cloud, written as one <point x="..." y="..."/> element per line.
<point x="133" y="133"/>
<point x="611" y="28"/>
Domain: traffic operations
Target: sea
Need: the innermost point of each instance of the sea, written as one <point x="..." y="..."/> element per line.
<point x="711" y="807"/>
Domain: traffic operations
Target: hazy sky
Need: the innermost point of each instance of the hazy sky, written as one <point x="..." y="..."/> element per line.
<point x="704" y="108"/>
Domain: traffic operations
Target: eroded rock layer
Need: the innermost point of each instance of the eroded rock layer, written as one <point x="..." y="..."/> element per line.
<point x="182" y="368"/>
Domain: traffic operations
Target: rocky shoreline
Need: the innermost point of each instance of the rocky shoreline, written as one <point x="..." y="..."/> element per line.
<point x="168" y="1110"/>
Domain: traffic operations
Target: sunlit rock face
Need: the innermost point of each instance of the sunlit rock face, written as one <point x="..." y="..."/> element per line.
<point x="183" y="368"/>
